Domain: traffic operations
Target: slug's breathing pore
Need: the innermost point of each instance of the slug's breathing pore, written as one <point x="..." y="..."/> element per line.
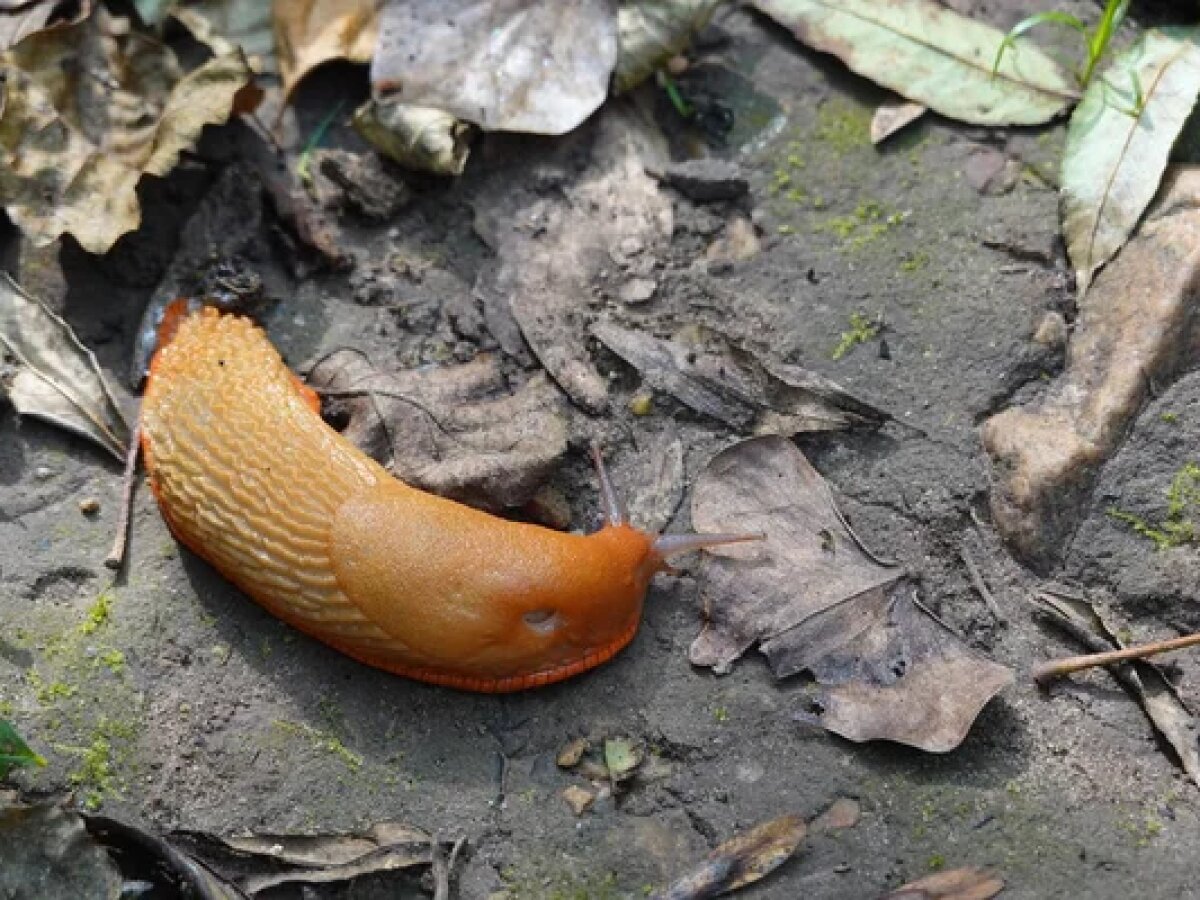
<point x="250" y="478"/>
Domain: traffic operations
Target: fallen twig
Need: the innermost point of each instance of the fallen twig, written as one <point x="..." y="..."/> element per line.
<point x="1057" y="668"/>
<point x="116" y="556"/>
<point x="980" y="585"/>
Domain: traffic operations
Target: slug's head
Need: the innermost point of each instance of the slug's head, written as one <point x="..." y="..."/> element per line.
<point x="600" y="614"/>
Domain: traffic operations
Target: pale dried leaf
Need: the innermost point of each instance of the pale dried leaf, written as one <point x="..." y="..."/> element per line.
<point x="842" y="813"/>
<point x="19" y="21"/>
<point x="260" y="862"/>
<point x="1116" y="153"/>
<point x="417" y="137"/>
<point x="579" y="799"/>
<point x="244" y="23"/>
<point x="456" y="431"/>
<point x="892" y="116"/>
<point x="310" y="33"/>
<point x="543" y="273"/>
<point x="932" y="56"/>
<point x="88" y="110"/>
<point x="1162" y="703"/>
<point x="735" y="387"/>
<point x="816" y="601"/>
<point x="53" y="376"/>
<point x="740" y="861"/>
<point x="966" y="883"/>
<point x="540" y="66"/>
<point x="651" y="33"/>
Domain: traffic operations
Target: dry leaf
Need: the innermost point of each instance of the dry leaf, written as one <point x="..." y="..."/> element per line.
<point x="261" y="862"/>
<point x="540" y="66"/>
<point x="579" y="799"/>
<point x="737" y="388"/>
<point x="1162" y="703"/>
<point x="88" y="110"/>
<point x="20" y="20"/>
<point x="843" y="813"/>
<point x="544" y="273"/>
<point x="456" y="431"/>
<point x="244" y="23"/>
<point x="815" y="600"/>
<point x="740" y="861"/>
<point x="934" y="56"/>
<point x="622" y="758"/>
<point x="417" y="137"/>
<point x="650" y="33"/>
<point x="892" y="116"/>
<point x="48" y="374"/>
<point x="570" y="755"/>
<point x="957" y="884"/>
<point x="310" y="33"/>
<point x="1118" y="142"/>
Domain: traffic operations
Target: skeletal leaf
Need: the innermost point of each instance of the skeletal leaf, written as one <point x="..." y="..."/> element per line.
<point x="891" y="117"/>
<point x="1162" y="703"/>
<point x="48" y="374"/>
<point x="737" y="388"/>
<point x="455" y="431"/>
<point x="540" y="66"/>
<point x="740" y="861"/>
<point x="76" y="134"/>
<point x="1118" y="142"/>
<point x="815" y="600"/>
<point x="417" y="137"/>
<point x="932" y="56"/>
<point x="650" y="33"/>
<point x="310" y="33"/>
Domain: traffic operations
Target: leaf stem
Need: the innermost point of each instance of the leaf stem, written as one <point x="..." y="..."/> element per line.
<point x="1057" y="668"/>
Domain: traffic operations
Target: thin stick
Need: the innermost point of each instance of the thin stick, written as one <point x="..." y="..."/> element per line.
<point x="116" y="556"/>
<point x="979" y="584"/>
<point x="1047" y="672"/>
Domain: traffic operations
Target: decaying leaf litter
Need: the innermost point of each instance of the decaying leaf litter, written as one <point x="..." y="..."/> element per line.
<point x="671" y="286"/>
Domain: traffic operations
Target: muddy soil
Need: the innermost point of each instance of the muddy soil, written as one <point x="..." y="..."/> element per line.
<point x="170" y="698"/>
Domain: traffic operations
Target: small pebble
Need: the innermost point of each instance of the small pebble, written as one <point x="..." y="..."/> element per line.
<point x="642" y="404"/>
<point x="41" y="473"/>
<point x="89" y="506"/>
<point x="638" y="290"/>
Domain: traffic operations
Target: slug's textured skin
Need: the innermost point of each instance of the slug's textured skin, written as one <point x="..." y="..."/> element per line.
<point x="250" y="478"/>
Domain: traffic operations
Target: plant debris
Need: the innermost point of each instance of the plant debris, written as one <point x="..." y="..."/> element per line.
<point x="735" y="387"/>
<point x="21" y="19"/>
<point x="740" y="861"/>
<point x="417" y="137"/>
<point x="1118" y="142"/>
<point x="650" y="33"/>
<point x="890" y="117"/>
<point x="956" y="884"/>
<point x="933" y="56"/>
<point x="310" y="33"/>
<point x="1145" y="681"/>
<point x="515" y="65"/>
<point x="261" y="862"/>
<point x="542" y="272"/>
<point x="815" y="600"/>
<point x="454" y="430"/>
<point x="119" y="107"/>
<point x="842" y="813"/>
<point x="48" y="374"/>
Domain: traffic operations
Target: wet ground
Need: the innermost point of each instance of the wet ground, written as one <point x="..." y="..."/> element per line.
<point x="168" y="697"/>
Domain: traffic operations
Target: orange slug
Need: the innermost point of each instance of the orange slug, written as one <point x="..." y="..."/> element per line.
<point x="250" y="478"/>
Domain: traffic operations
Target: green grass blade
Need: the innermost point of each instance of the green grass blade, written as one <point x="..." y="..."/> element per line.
<point x="14" y="752"/>
<point x="1050" y="17"/>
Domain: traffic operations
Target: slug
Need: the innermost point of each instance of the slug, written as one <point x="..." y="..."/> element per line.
<point x="250" y="478"/>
